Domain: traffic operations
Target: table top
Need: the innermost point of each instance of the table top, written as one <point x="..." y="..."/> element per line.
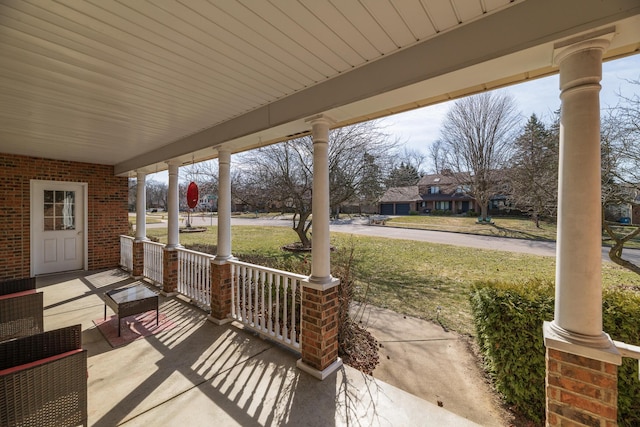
<point x="132" y="293"/>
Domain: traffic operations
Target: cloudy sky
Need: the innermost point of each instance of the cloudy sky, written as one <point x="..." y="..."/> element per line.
<point x="419" y="128"/>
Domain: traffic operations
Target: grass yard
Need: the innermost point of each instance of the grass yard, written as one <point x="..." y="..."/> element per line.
<point x="409" y="277"/>
<point x="148" y="219"/>
<point x="521" y="228"/>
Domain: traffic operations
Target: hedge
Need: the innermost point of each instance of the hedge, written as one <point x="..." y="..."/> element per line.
<point x="508" y="319"/>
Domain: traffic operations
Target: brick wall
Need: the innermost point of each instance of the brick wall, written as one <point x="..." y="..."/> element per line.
<point x="106" y="216"/>
<point x="319" y="327"/>
<point x="580" y="391"/>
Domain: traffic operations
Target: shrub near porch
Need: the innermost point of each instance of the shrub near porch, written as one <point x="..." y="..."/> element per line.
<point x="508" y="318"/>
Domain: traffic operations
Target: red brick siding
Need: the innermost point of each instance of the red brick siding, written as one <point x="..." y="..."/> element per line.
<point x="106" y="216"/>
<point x="580" y="391"/>
<point x="220" y="290"/>
<point x="319" y="327"/>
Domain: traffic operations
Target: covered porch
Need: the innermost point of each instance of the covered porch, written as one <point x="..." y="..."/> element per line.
<point x="198" y="372"/>
<point x="94" y="94"/>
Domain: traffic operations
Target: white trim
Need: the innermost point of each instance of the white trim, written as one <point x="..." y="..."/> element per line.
<point x="85" y="219"/>
<point x="321" y="375"/>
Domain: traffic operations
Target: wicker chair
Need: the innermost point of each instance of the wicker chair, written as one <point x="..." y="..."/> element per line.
<point x="43" y="379"/>
<point x="21" y="314"/>
<point x="17" y="285"/>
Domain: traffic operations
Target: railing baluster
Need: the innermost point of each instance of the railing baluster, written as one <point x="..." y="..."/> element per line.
<point x="277" y="328"/>
<point x="293" y="310"/>
<point x="263" y="313"/>
<point x="285" y="288"/>
<point x="234" y="286"/>
<point x="270" y="290"/>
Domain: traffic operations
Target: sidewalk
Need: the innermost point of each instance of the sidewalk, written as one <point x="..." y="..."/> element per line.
<point x="200" y="374"/>
<point x="423" y="359"/>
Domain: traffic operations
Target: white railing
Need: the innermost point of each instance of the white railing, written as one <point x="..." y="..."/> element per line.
<point x="194" y="276"/>
<point x="126" y="253"/>
<point x="267" y="301"/>
<point x="152" y="269"/>
<point x="628" y="350"/>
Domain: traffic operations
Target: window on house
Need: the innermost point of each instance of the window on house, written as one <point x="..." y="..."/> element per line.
<point x="434" y="190"/>
<point x="443" y="206"/>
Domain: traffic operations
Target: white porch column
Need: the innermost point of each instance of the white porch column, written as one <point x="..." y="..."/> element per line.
<point x="320" y="205"/>
<point x="578" y="309"/>
<point x="577" y="349"/>
<point x="224" y="205"/>
<point x="141" y="207"/>
<point x="319" y="296"/>
<point x="173" y="240"/>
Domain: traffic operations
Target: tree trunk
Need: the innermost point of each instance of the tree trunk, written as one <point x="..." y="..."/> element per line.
<point x="615" y="253"/>
<point x="301" y="228"/>
<point x="484" y="209"/>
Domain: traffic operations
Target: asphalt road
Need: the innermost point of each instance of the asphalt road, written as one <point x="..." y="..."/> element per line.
<point x="360" y="226"/>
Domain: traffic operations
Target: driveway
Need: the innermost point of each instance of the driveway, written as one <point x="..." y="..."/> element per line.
<point x="360" y="226"/>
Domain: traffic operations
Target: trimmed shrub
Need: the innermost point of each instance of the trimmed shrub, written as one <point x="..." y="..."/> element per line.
<point x="508" y="319"/>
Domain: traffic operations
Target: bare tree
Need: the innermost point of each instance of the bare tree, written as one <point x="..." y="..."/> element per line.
<point x="437" y="156"/>
<point x="476" y="140"/>
<point x="284" y="171"/>
<point x="620" y="160"/>
<point x="533" y="172"/>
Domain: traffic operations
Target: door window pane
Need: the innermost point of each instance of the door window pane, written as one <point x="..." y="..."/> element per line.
<point x="59" y="215"/>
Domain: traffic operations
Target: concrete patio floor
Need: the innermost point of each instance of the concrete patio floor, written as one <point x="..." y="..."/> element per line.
<point x="201" y="374"/>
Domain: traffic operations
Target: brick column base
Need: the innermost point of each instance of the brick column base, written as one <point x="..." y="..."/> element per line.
<point x="319" y="339"/>
<point x="138" y="259"/>
<point x="220" y="292"/>
<point x="580" y="391"/>
<point x="169" y="272"/>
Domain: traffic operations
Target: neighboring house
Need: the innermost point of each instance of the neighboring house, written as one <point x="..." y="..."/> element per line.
<point x="442" y="192"/>
<point x="400" y="200"/>
<point x="438" y="192"/>
<point x="616" y="212"/>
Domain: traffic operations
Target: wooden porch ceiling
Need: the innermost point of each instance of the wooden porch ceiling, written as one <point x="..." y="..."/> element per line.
<point x="133" y="84"/>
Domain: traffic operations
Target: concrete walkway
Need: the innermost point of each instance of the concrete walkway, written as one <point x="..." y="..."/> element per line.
<point x="200" y="374"/>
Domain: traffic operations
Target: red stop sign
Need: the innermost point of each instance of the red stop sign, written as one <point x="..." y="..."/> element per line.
<point x="192" y="195"/>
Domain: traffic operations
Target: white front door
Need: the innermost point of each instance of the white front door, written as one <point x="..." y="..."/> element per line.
<point x="57" y="226"/>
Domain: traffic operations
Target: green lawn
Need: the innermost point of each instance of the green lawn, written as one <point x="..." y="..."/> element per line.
<point x="502" y="227"/>
<point x="148" y="219"/>
<point x="408" y="277"/>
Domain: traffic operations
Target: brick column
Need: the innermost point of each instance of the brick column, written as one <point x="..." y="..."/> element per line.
<point x="580" y="391"/>
<point x="220" y="292"/>
<point x="319" y="323"/>
<point x="138" y="259"/>
<point x="169" y="272"/>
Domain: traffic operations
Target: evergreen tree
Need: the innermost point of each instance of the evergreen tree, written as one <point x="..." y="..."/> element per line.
<point x="534" y="170"/>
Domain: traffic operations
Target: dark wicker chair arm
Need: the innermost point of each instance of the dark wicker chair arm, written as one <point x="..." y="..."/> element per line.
<point x="21" y="315"/>
<point x="17" y="285"/>
<point x="47" y="385"/>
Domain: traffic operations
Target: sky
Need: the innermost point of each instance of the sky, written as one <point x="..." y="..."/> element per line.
<point x="417" y="129"/>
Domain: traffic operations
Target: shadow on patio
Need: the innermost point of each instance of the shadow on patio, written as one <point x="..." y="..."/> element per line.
<point x="198" y="373"/>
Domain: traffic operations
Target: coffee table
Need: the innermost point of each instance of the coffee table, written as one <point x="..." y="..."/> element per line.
<point x="129" y="301"/>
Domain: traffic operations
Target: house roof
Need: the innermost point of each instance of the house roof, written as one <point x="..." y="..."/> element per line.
<point x="401" y="194"/>
<point x="134" y="84"/>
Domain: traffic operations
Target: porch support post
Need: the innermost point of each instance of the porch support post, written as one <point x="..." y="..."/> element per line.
<point x="173" y="240"/>
<point x="221" y="286"/>
<point x="224" y="205"/>
<point x="141" y="207"/>
<point x="141" y="227"/>
<point x="170" y="253"/>
<point x="582" y="360"/>
<point x="319" y="338"/>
